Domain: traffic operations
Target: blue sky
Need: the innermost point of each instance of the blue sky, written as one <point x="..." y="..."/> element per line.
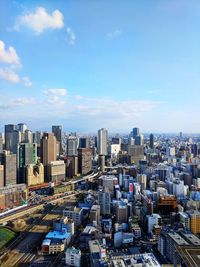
<point x="92" y="64"/>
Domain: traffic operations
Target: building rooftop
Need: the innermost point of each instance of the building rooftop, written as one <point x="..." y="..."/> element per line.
<point x="58" y="235"/>
<point x="194" y="240"/>
<point x="94" y="246"/>
<point x="177" y="239"/>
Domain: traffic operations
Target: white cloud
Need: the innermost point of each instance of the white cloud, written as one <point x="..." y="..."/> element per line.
<point x="23" y="101"/>
<point x="9" y="75"/>
<point x="57" y="92"/>
<point x="71" y="37"/>
<point x="41" y="20"/>
<point x="56" y="96"/>
<point x="114" y="34"/>
<point x="27" y="81"/>
<point x="8" y="56"/>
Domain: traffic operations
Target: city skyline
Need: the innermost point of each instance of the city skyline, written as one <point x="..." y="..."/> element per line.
<point x="107" y="64"/>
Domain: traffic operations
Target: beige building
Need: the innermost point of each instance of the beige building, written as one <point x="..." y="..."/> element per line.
<point x="56" y="171"/>
<point x="34" y="174"/>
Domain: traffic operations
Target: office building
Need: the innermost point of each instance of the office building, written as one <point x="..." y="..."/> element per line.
<point x="75" y="214"/>
<point x="194" y="216"/>
<point x="151" y="141"/>
<point x="9" y="161"/>
<point x="22" y="127"/>
<point x="95" y="214"/>
<point x="102" y="141"/>
<point x="153" y="220"/>
<point x="56" y="171"/>
<point x="15" y="139"/>
<point x="72" y="145"/>
<point x="121" y="213"/>
<point x="28" y="137"/>
<point x="26" y="154"/>
<point x="57" y="131"/>
<point x="1" y="176"/>
<point x="84" y="160"/>
<point x="8" y="130"/>
<point x="34" y="174"/>
<point x="71" y="166"/>
<point x="84" y="142"/>
<point x="104" y="200"/>
<point x="47" y="151"/>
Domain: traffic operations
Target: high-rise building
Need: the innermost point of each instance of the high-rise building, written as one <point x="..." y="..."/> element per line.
<point x="47" y="151"/>
<point x="57" y="130"/>
<point x="56" y="171"/>
<point x="10" y="168"/>
<point x="72" y="145"/>
<point x="26" y="154"/>
<point x="1" y="176"/>
<point x="135" y="132"/>
<point x="16" y="138"/>
<point x="83" y="142"/>
<point x="37" y="136"/>
<point x="139" y="140"/>
<point x="28" y="136"/>
<point x="102" y="141"/>
<point x="121" y="213"/>
<point x="48" y="148"/>
<point x="151" y="141"/>
<point x="194" y="221"/>
<point x="104" y="200"/>
<point x="84" y="160"/>
<point x="8" y="130"/>
<point x="21" y="127"/>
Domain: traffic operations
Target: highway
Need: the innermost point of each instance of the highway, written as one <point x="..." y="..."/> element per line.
<point x="30" y="210"/>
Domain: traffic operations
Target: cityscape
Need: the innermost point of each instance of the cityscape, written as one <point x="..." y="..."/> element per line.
<point x="99" y="133"/>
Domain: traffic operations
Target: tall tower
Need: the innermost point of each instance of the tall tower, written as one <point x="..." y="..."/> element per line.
<point x="151" y="141"/>
<point x="57" y="131"/>
<point x="135" y="132"/>
<point x="27" y="154"/>
<point x="48" y="148"/>
<point x="8" y="130"/>
<point x="102" y="141"/>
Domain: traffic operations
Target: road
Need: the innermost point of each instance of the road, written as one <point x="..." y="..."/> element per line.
<point x="30" y="210"/>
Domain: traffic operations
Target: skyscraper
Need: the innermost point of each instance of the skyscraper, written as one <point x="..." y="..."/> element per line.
<point x="8" y="130"/>
<point x="8" y="160"/>
<point x="48" y="148"/>
<point x="27" y="154"/>
<point x="135" y="132"/>
<point x="21" y="127"/>
<point x="15" y="139"/>
<point x="83" y="142"/>
<point x="72" y="144"/>
<point x="57" y="130"/>
<point x="102" y="141"/>
<point x="84" y="160"/>
<point x="48" y="152"/>
<point x="151" y="141"/>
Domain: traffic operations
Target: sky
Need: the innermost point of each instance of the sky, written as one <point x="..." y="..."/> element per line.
<point x="92" y="64"/>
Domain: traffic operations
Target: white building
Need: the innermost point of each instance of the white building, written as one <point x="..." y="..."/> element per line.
<point x="102" y="141"/>
<point x="73" y="257"/>
<point x="76" y="215"/>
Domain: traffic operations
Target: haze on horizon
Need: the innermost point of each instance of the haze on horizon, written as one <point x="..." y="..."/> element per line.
<point x="92" y="64"/>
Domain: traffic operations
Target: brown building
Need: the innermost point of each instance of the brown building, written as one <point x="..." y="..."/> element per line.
<point x="84" y="160"/>
<point x="121" y="213"/>
<point x="1" y="176"/>
<point x="71" y="166"/>
<point x="48" y="151"/>
<point x="167" y="203"/>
